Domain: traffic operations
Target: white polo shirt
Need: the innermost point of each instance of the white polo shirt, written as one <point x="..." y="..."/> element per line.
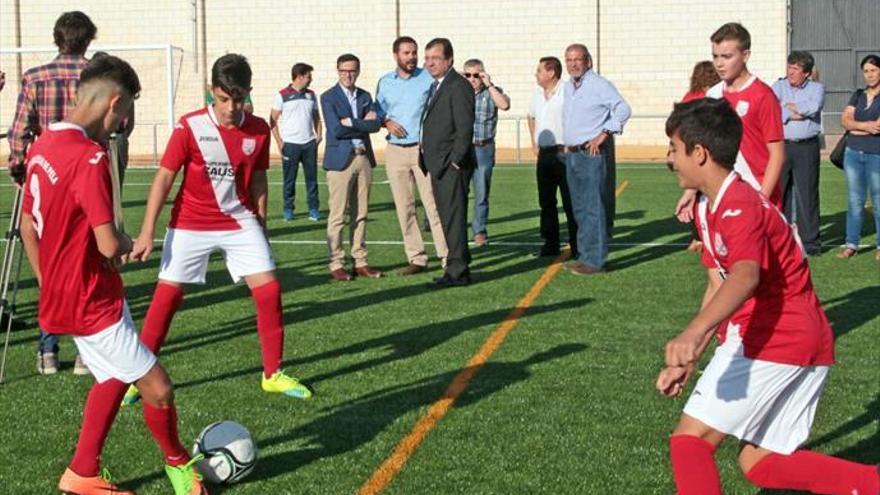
<point x="548" y="115"/>
<point x="297" y="119"/>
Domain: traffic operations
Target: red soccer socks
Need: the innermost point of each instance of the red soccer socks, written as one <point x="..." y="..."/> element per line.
<point x="162" y="422"/>
<point x="101" y="407"/>
<point x="693" y="465"/>
<point x="814" y="472"/>
<point x="166" y="301"/>
<point x="270" y="325"/>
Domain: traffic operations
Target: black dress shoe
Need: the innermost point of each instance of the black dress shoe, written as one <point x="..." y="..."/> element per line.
<point x="548" y="250"/>
<point x="446" y="281"/>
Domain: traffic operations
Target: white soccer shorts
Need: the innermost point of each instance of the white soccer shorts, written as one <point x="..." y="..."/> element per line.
<point x="770" y="405"/>
<point x="116" y="352"/>
<point x="185" y="254"/>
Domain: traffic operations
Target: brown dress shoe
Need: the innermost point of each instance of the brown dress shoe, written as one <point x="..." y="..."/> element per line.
<point x="481" y="240"/>
<point x="412" y="269"/>
<point x="580" y="268"/>
<point x="340" y="275"/>
<point x="365" y="271"/>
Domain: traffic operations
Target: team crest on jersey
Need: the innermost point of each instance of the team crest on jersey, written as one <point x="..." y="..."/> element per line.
<point x="248" y="146"/>
<point x="720" y="247"/>
<point x="742" y="108"/>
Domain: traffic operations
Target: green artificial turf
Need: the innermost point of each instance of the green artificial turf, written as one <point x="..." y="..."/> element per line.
<point x="565" y="406"/>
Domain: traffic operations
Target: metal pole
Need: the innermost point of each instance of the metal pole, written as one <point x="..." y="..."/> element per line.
<point x="169" y="76"/>
<point x="195" y="33"/>
<point x="18" y="66"/>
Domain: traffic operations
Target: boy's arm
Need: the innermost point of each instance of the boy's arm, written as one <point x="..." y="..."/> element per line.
<point x="31" y="244"/>
<point x="774" y="167"/>
<point x="259" y="191"/>
<point x="111" y="242"/>
<point x="162" y="183"/>
<point x="736" y="289"/>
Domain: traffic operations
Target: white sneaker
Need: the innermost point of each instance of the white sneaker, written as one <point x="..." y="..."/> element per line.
<point x="47" y="363"/>
<point x="79" y="367"/>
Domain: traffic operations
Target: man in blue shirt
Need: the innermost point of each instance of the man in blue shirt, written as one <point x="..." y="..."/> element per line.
<point x="400" y="98"/>
<point x="802" y="100"/>
<point x="593" y="112"/>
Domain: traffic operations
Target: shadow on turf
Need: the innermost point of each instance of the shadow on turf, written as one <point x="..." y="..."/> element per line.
<point x="397" y="346"/>
<point x="852" y="310"/>
<point x="350" y="425"/>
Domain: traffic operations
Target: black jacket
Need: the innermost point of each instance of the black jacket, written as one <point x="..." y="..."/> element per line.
<point x="448" y="126"/>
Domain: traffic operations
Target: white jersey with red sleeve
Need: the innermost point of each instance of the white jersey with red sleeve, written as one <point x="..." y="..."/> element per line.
<point x="783" y="321"/>
<point x="761" y="116"/>
<point x="68" y="193"/>
<point x="218" y="165"/>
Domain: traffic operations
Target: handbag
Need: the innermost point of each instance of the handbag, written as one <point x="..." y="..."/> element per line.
<point x="836" y="155"/>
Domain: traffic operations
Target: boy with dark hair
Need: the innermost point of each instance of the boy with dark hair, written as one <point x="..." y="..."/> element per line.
<point x="775" y="344"/>
<point x="224" y="154"/>
<point x="761" y="151"/>
<point x="74" y="247"/>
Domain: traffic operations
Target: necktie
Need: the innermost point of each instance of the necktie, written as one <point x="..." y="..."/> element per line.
<point x="432" y="92"/>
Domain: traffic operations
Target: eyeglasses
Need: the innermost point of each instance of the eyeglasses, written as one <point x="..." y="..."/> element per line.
<point x="344" y="71"/>
<point x="471" y="75"/>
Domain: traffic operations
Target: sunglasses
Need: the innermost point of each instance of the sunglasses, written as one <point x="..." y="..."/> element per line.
<point x="471" y="75"/>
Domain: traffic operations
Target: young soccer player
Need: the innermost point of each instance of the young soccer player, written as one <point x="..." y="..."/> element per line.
<point x="73" y="246"/>
<point x="765" y="378"/>
<point x="762" y="150"/>
<point x="224" y="154"/>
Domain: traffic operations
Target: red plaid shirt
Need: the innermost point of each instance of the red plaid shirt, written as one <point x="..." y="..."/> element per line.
<point x="48" y="94"/>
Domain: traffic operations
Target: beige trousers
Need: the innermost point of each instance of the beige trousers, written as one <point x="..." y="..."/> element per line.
<point x="404" y="175"/>
<point x="349" y="188"/>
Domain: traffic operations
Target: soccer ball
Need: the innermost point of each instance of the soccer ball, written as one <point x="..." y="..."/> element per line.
<point x="229" y="450"/>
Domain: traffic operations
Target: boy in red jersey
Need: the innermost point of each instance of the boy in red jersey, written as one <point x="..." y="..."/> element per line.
<point x="762" y="149"/>
<point x="766" y="376"/>
<point x="73" y="246"/>
<point x="221" y="205"/>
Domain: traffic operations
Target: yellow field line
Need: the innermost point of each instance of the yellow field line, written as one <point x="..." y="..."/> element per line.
<point x="386" y="472"/>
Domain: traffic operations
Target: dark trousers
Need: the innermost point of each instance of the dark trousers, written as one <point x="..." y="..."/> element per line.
<point x="609" y="198"/>
<point x="291" y="156"/>
<point x="550" y="174"/>
<point x="799" y="183"/>
<point x="451" y="196"/>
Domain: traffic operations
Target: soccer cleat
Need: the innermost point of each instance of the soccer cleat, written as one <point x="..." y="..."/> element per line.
<point x="132" y="396"/>
<point x="186" y="479"/>
<point x="47" y="363"/>
<point x="74" y="484"/>
<point x="283" y="384"/>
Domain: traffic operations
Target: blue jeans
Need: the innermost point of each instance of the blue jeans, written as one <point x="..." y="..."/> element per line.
<point x="586" y="176"/>
<point x="291" y="156"/>
<point x="862" y="175"/>
<point x="48" y="343"/>
<point x="482" y="181"/>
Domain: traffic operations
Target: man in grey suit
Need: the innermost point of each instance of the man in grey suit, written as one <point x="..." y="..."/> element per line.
<point x="447" y="154"/>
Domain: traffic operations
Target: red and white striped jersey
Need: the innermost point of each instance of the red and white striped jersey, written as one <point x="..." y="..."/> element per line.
<point x="218" y="165"/>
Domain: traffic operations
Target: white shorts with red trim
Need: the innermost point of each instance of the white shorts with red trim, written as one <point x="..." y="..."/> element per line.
<point x="185" y="254"/>
<point x="767" y="404"/>
<point x="116" y="352"/>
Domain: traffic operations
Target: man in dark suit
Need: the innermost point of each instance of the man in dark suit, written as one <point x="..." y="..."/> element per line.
<point x="349" y="161"/>
<point x="447" y="154"/>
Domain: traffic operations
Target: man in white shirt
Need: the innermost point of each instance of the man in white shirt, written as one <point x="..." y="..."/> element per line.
<point x="296" y="125"/>
<point x="545" y="129"/>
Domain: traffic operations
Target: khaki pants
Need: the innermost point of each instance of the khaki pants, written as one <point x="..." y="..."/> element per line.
<point x="402" y="168"/>
<point x="349" y="188"/>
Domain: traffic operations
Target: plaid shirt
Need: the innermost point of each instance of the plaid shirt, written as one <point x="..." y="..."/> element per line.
<point x="485" y="115"/>
<point x="48" y="94"/>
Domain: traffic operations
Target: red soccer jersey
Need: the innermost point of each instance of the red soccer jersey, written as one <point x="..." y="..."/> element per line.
<point x="783" y="320"/>
<point x="761" y="116"/>
<point x="693" y="95"/>
<point x="218" y="164"/>
<point x="68" y="193"/>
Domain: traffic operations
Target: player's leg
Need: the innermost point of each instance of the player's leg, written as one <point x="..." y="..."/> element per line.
<point x="692" y="452"/>
<point x="249" y="257"/>
<point x="166" y="301"/>
<point x="160" y="415"/>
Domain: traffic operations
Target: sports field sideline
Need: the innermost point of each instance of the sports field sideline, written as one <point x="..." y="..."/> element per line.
<point x="552" y="374"/>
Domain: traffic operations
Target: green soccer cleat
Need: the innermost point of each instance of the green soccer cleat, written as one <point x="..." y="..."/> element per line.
<point x="283" y="384"/>
<point x="132" y="396"/>
<point x="186" y="479"/>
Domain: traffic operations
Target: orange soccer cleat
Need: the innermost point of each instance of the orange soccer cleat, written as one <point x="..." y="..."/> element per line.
<point x="74" y="484"/>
